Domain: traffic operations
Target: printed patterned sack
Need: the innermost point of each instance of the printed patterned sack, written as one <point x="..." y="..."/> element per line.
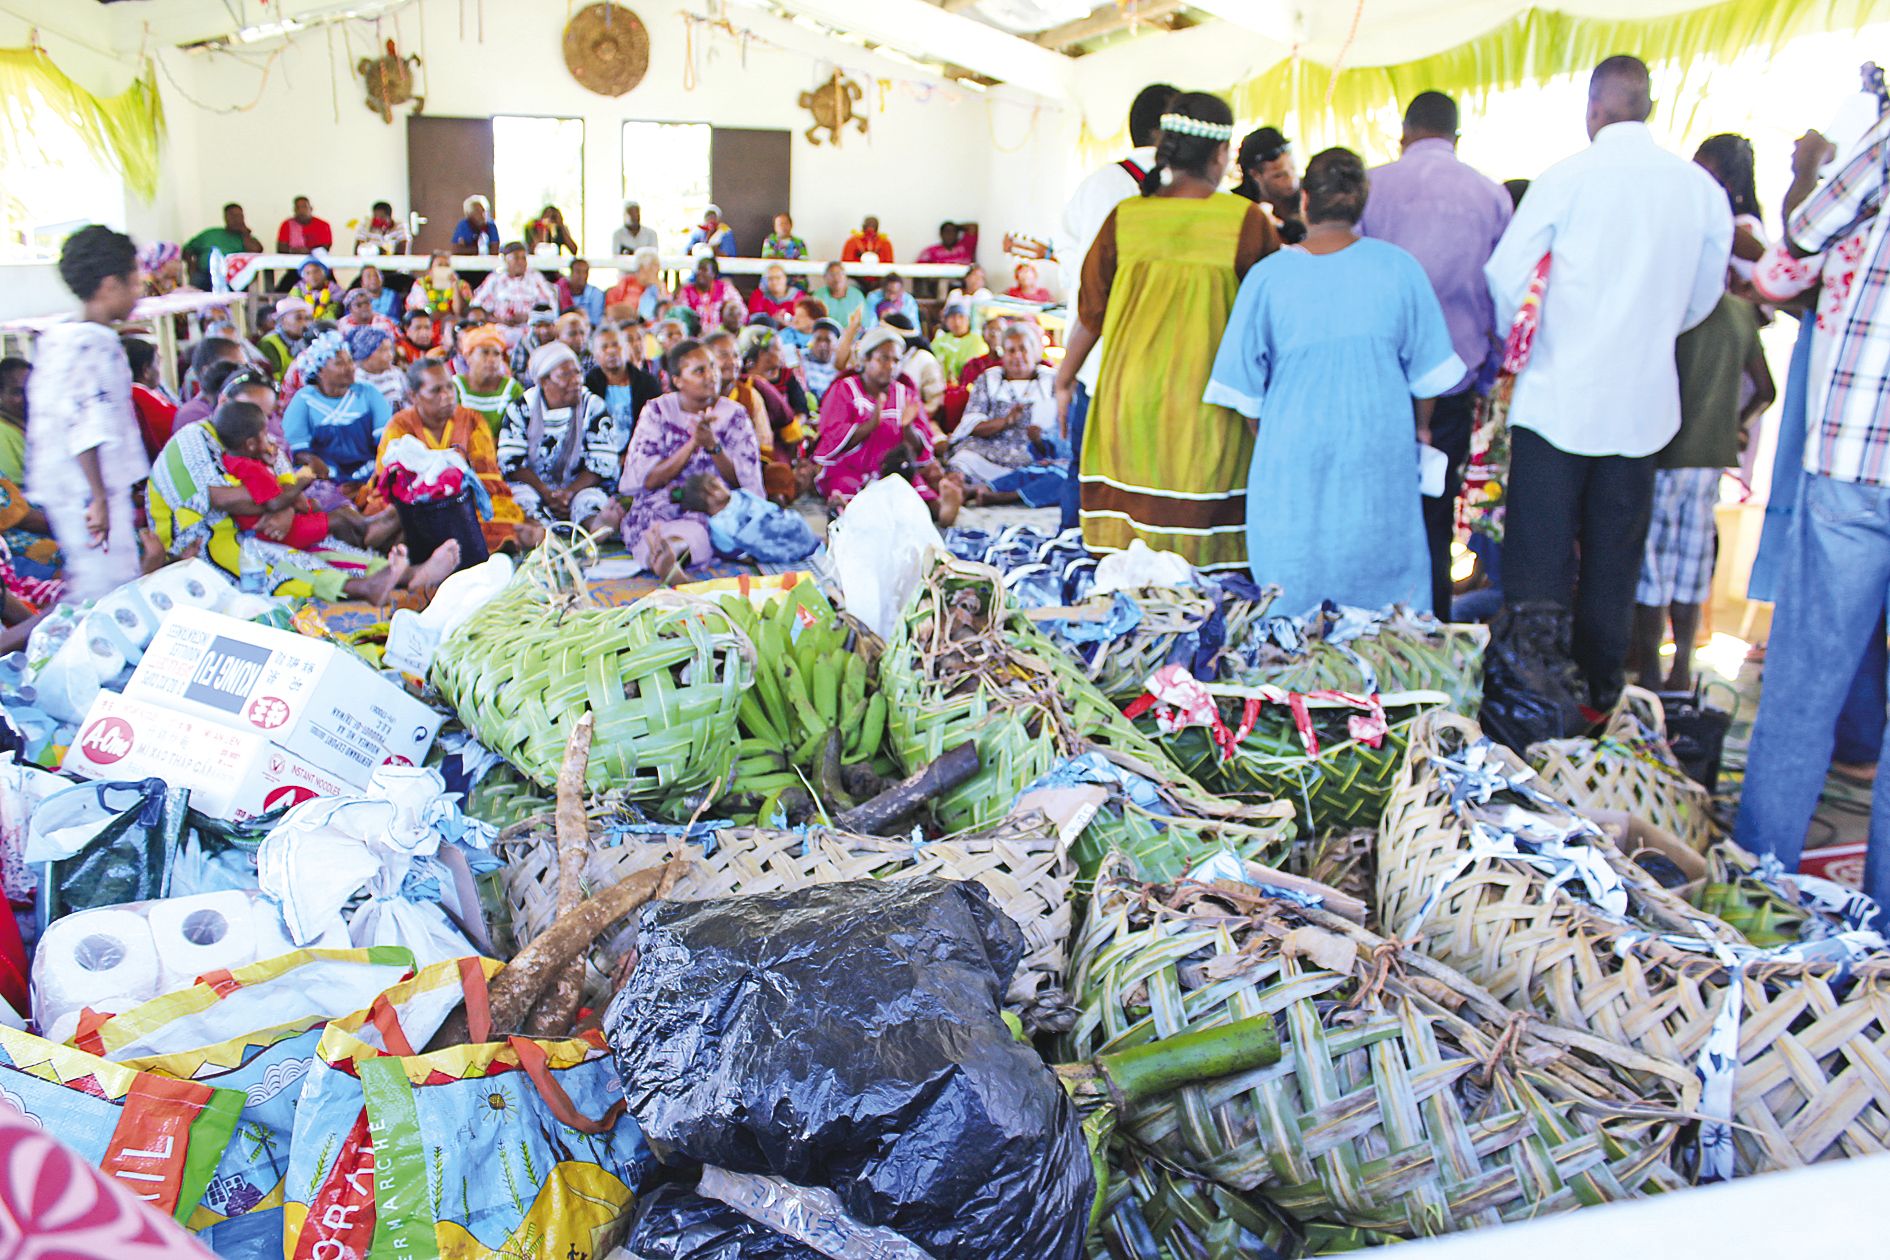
<point x="254" y="1031"/>
<point x="159" y="1139"/>
<point x="516" y="1147"/>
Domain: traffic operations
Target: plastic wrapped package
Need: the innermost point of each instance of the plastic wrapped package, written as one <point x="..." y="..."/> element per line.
<point x="850" y="1036"/>
<point x="676" y="1223"/>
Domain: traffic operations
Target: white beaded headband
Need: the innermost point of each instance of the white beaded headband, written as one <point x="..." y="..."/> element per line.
<point x="1181" y="124"/>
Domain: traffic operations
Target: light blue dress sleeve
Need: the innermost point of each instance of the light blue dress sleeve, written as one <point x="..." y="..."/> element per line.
<point x="1430" y="362"/>
<point x="379" y="409"/>
<point x="1243" y="364"/>
<point x="295" y="423"/>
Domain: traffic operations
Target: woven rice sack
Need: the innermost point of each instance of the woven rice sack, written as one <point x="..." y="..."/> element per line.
<point x="663" y="676"/>
<point x="1405" y="1100"/>
<point x="1810" y="1038"/>
<point x="1630" y="769"/>
<point x="1020" y="863"/>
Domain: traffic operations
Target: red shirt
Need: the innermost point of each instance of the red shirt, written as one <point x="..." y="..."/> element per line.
<point x="310" y="525"/>
<point x="759" y="303"/>
<point x="1039" y="294"/>
<point x="156" y="414"/>
<point x="860" y="244"/>
<point x="302" y="238"/>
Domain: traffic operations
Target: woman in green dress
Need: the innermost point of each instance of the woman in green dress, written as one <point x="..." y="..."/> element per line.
<point x="1159" y="464"/>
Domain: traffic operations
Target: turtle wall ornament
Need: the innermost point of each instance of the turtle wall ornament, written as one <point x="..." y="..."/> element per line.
<point x="389" y="81"/>
<point x="831" y="104"/>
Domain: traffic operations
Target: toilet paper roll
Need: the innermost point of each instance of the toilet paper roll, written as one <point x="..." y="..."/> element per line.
<point x="130" y="612"/>
<point x="194" y="935"/>
<point x="94" y="958"/>
<point x="187" y="584"/>
<point x="68" y="683"/>
<point x="109" y="642"/>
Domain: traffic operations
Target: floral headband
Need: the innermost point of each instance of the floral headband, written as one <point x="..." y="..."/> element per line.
<point x="1183" y="125"/>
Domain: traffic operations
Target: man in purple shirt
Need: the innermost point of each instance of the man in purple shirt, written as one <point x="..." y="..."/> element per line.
<point x="1449" y="218"/>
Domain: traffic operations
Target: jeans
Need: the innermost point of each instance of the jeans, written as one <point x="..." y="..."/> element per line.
<point x="1073" y="490"/>
<point x="1451" y="419"/>
<point x="1831" y="603"/>
<point x="1574" y="535"/>
<point x="1861" y="722"/>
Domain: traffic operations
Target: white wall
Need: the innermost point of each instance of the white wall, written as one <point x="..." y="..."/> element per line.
<point x="924" y="160"/>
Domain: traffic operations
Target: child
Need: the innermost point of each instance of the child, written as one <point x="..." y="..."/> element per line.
<point x="416" y="338"/>
<point x="84" y="452"/>
<point x="243" y="430"/>
<point x="744" y="525"/>
<point x="1027" y="289"/>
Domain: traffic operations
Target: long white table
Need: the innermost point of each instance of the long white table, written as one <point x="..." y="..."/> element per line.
<point x="242" y="270"/>
<point x="156" y="313"/>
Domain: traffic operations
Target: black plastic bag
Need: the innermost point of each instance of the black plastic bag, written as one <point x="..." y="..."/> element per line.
<point x="849" y="1036"/>
<point x="676" y="1223"/>
<point x="1531" y="688"/>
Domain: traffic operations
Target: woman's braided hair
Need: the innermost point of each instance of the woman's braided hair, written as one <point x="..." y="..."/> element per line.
<point x="1182" y="150"/>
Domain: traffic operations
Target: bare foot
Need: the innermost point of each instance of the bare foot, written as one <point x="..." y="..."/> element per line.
<point x="381" y="530"/>
<point x="951" y="497"/>
<point x="664" y="562"/>
<point x="439" y="566"/>
<point x="602" y="523"/>
<point x="378" y="588"/>
<point x="528" y="534"/>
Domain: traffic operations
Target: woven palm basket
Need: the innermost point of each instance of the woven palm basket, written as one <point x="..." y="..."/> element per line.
<point x="1810" y="1079"/>
<point x="1155" y="1213"/>
<point x="964" y="665"/>
<point x="1020" y="863"/>
<point x="1344" y="786"/>
<point x="1406" y="1099"/>
<point x="1405" y="652"/>
<point x="1630" y="769"/>
<point x="663" y="676"/>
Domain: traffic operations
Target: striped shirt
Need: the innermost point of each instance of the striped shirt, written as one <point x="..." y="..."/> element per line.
<point x="1849" y="435"/>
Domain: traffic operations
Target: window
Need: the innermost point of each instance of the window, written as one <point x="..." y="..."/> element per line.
<point x="666" y="171"/>
<point x="537" y="162"/>
<point x="51" y="183"/>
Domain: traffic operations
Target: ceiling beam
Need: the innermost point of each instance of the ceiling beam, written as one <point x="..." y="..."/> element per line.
<point x="1106" y="21"/>
<point x="1278" y="20"/>
<point x="919" y="29"/>
<point x="958" y="6"/>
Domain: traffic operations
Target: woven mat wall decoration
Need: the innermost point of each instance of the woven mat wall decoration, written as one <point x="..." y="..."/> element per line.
<point x="607" y="49"/>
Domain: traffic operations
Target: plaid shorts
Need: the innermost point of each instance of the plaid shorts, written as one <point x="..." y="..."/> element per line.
<point x="1682" y="538"/>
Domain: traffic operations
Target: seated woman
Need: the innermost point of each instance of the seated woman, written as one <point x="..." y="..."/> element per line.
<point x="559" y="448"/>
<point x="486" y="386"/>
<point x="1027" y="289"/>
<point x="776" y="295"/>
<point x="765" y="408"/>
<point x="1004" y="445"/>
<point x="919" y="365"/>
<point x="734" y="315"/>
<point x="437" y="419"/>
<point x="317" y="287"/>
<point x="439" y="289"/>
<point x="762" y="361"/>
<point x="193" y="500"/>
<point x="639" y="289"/>
<point x="383" y="300"/>
<point x="373" y="352"/>
<point x="334" y="422"/>
<point x="359" y="304"/>
<point x="685" y="433"/>
<point x="418" y="336"/>
<point x="873" y="420"/>
<point x="549" y="229"/>
<point x="706" y="292"/>
<point x="955" y="344"/>
<point x="626" y="386"/>
<point x="32" y="560"/>
<point x="891" y="298"/>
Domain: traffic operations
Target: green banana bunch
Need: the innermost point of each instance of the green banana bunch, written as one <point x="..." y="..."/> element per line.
<point x="813" y="712"/>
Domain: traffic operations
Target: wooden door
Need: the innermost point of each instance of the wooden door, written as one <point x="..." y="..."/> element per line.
<point x="448" y="160"/>
<point x="748" y="177"/>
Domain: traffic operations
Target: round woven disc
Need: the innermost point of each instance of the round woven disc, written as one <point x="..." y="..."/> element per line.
<point x="607" y="49"/>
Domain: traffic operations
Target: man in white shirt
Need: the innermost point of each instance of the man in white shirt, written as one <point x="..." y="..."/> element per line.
<point x="632" y="236"/>
<point x="1099" y="193"/>
<point x="1639" y="241"/>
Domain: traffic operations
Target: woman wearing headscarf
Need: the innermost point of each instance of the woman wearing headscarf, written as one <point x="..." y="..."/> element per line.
<point x="334" y="418"/>
<point x="1159" y="463"/>
<point x="559" y="448"/>
<point x="163" y="265"/>
<point x="873" y="421"/>
<point x="689" y="432"/>
<point x="1326" y="350"/>
<point x="486" y="386"/>
<point x="373" y="353"/>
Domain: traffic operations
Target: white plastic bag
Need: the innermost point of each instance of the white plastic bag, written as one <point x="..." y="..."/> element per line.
<point x="413" y="637"/>
<point x="1139" y="566"/>
<point x="878" y="545"/>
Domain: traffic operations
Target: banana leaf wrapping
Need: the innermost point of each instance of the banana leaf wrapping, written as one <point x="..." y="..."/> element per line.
<point x="964" y="665"/>
<point x="1021" y="863"/>
<point x="1349" y="650"/>
<point x="663" y="677"/>
<point x="1178" y="624"/>
<point x="1804" y="1050"/>
<point x="1406" y="1099"/>
<point x="1631" y="769"/>
<point x="1343" y="786"/>
<point x="1151" y="1212"/>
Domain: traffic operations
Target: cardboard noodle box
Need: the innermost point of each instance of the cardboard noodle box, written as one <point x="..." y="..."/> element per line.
<point x="316" y="700"/>
<point x="231" y="773"/>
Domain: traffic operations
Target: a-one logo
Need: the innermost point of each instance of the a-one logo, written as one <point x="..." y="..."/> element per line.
<point x="268" y="712"/>
<point x="107" y="740"/>
<point x="290" y="794"/>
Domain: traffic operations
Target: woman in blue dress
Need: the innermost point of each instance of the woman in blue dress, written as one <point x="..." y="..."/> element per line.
<point x="1328" y="345"/>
